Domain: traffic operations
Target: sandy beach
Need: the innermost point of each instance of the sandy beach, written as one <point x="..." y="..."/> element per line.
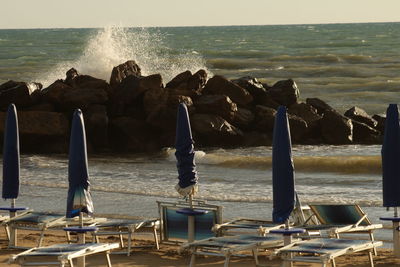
<point x="168" y="255"/>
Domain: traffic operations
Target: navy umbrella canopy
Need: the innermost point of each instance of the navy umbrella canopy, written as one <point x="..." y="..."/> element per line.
<point x="79" y="198"/>
<point x="185" y="153"/>
<point x="282" y="169"/>
<point x="11" y="155"/>
<point x="391" y="158"/>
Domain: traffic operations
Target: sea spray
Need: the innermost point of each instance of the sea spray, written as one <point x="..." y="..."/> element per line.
<point x="111" y="46"/>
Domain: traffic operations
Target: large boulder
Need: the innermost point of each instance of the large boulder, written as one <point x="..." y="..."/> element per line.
<point x="254" y="138"/>
<point x="22" y="94"/>
<point x="285" y="92"/>
<point x="244" y="118"/>
<point x="264" y="119"/>
<point x="131" y="135"/>
<point x="364" y="134"/>
<point x="319" y="105"/>
<point x="179" y="80"/>
<point x="122" y="71"/>
<point x="254" y="87"/>
<point x="131" y="90"/>
<point x="298" y="128"/>
<point x="96" y="124"/>
<point x="219" y="85"/>
<point x="188" y="81"/>
<point x="41" y="132"/>
<point x="381" y="120"/>
<point x="197" y="81"/>
<point x="216" y="104"/>
<point x="336" y="129"/>
<point x="212" y="130"/>
<point x="307" y="112"/>
<point x="360" y="115"/>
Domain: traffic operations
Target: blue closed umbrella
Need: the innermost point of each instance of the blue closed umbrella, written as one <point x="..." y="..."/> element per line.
<point x="79" y="198"/>
<point x="184" y="154"/>
<point x="391" y="158"/>
<point x="11" y="155"/>
<point x="282" y="169"/>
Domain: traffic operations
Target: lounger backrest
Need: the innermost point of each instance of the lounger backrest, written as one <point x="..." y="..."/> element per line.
<point x="175" y="225"/>
<point x="339" y="214"/>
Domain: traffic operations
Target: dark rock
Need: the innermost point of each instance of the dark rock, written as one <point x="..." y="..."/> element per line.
<point x="130" y="135"/>
<point x="130" y="89"/>
<point x="319" y="105"/>
<point x="41" y="132"/>
<point x="82" y="98"/>
<point x="197" y="81"/>
<point x="336" y="129"/>
<point x="381" y="120"/>
<point x="285" y="92"/>
<point x="257" y="139"/>
<point x="212" y="130"/>
<point x="216" y="104"/>
<point x="218" y="85"/>
<point x="364" y="134"/>
<point x="96" y="124"/>
<point x="122" y="71"/>
<point x="264" y="119"/>
<point x="154" y="99"/>
<point x="254" y="87"/>
<point x="55" y="93"/>
<point x="71" y="75"/>
<point x="298" y="128"/>
<point x="305" y="111"/>
<point x="244" y="118"/>
<point x="358" y="114"/>
<point x="180" y="79"/>
<point x="22" y="94"/>
<point x="41" y="107"/>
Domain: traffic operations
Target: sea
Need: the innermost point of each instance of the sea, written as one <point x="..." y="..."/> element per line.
<point x="345" y="65"/>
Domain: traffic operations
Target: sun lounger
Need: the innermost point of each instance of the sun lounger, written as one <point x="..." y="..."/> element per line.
<point x="127" y="227"/>
<point x="174" y="226"/>
<point x="325" y="250"/>
<point x="229" y="246"/>
<point x="61" y="254"/>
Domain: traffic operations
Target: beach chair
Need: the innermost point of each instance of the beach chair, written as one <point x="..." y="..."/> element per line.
<point x="61" y="254"/>
<point x="325" y="250"/>
<point x="127" y="227"/>
<point x="174" y="226"/>
<point x="42" y="221"/>
<point x="229" y="246"/>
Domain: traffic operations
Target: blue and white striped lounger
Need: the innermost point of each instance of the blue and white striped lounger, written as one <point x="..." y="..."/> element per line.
<point x="325" y="250"/>
<point x="61" y="254"/>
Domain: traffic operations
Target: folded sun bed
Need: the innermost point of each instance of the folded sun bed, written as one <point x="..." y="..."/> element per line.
<point x="127" y="227"/>
<point x="232" y="246"/>
<point x="61" y="254"/>
<point x="325" y="250"/>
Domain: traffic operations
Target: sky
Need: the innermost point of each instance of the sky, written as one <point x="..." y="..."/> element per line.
<point x="18" y="14"/>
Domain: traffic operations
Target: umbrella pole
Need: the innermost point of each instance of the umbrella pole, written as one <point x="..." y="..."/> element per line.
<point x="396" y="235"/>
<point x="191" y="221"/>
<point x="81" y="240"/>
<point x="13" y="231"/>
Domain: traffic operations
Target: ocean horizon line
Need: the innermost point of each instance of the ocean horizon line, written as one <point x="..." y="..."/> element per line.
<point x="201" y="26"/>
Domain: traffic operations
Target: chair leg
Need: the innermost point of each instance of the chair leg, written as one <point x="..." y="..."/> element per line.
<point x="108" y="259"/>
<point x="227" y="259"/>
<point x="130" y="233"/>
<point x="255" y="255"/>
<point x="371" y="260"/>
<point x="156" y="237"/>
<point x="372" y="238"/>
<point x="333" y="263"/>
<point x="41" y="237"/>
<point x="192" y="260"/>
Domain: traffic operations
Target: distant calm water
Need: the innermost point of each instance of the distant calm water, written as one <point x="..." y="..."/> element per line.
<point x="343" y="64"/>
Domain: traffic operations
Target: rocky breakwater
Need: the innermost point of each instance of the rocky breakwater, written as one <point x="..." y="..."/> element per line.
<point x="136" y="113"/>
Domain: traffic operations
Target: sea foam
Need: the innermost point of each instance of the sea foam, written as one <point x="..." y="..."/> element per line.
<point x="111" y="46"/>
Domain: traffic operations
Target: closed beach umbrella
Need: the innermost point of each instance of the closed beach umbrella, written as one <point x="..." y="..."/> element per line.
<point x="184" y="154"/>
<point x="282" y="169"/>
<point x="391" y="158"/>
<point x="11" y="155"/>
<point x="79" y="198"/>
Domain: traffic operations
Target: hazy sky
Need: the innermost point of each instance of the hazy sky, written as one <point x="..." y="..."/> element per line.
<point x="131" y="13"/>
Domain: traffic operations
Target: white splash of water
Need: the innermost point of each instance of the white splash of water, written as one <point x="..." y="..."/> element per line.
<point x="114" y="45"/>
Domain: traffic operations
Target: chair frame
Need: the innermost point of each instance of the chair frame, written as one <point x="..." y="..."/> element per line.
<point x="60" y="257"/>
<point x="197" y="204"/>
<point x="245" y="225"/>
